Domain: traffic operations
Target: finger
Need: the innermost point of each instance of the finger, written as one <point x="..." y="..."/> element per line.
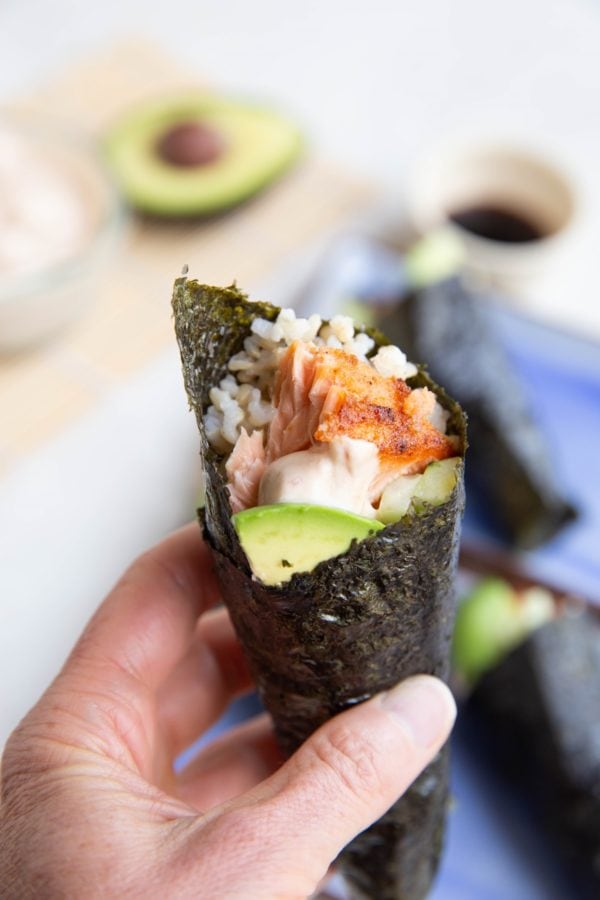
<point x="346" y="775"/>
<point x="104" y="697"/>
<point x="357" y="765"/>
<point x="147" y="622"/>
<point x="199" y="689"/>
<point x="231" y="765"/>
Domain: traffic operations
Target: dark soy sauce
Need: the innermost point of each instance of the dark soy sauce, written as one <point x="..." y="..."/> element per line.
<point x="497" y="224"/>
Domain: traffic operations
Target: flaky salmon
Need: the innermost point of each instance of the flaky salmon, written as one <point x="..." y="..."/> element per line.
<point x="322" y="394"/>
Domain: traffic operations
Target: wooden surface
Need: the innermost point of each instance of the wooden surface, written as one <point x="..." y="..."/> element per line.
<point x="42" y="391"/>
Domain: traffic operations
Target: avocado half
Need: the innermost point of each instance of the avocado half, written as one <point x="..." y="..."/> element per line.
<point x="198" y="155"/>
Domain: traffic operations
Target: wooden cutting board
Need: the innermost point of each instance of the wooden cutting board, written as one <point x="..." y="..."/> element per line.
<point x="43" y="391"/>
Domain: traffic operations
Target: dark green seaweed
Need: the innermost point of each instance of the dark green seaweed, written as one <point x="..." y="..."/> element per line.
<point x="355" y="625"/>
<point x="540" y="708"/>
<point x="444" y="326"/>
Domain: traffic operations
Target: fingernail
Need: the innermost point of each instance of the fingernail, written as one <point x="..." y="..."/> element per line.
<point x="425" y="707"/>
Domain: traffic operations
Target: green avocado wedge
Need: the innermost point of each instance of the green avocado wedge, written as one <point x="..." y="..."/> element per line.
<point x="304" y="535"/>
<point x="492" y="620"/>
<point x="242" y="149"/>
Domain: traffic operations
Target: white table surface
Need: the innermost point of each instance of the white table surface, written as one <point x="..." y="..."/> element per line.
<point x="376" y="84"/>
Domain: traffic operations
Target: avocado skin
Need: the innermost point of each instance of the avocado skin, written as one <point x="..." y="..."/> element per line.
<point x="352" y="627"/>
<point x="157" y="188"/>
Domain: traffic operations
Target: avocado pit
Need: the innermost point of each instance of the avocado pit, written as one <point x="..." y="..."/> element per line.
<point x="190" y="145"/>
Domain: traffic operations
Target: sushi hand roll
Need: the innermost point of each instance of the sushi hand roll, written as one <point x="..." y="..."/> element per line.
<point x="334" y="494"/>
<point x="532" y="660"/>
<point x="445" y="327"/>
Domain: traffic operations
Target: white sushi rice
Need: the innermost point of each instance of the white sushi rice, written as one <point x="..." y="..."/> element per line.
<point x="243" y="397"/>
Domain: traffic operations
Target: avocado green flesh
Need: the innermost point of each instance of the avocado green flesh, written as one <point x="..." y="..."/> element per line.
<point x="492" y="620"/>
<point x="286" y="538"/>
<point x="259" y="145"/>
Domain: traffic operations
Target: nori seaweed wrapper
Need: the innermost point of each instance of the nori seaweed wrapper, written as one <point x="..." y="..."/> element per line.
<point x="356" y="625"/>
<point x="541" y="711"/>
<point x="445" y="327"/>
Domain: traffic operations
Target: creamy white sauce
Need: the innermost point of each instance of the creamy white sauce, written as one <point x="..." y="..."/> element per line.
<point x="43" y="215"/>
<point x="337" y="475"/>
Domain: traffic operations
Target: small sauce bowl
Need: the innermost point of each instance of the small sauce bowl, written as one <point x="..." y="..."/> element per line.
<point x="512" y="208"/>
<point x="61" y="221"/>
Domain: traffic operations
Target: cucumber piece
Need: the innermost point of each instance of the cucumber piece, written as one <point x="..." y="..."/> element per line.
<point x="397" y="498"/>
<point x="437" y="482"/>
<point x="432" y="488"/>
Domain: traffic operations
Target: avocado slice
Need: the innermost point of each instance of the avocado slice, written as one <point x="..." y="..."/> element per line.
<point x="492" y="620"/>
<point x="303" y="535"/>
<point x="198" y="154"/>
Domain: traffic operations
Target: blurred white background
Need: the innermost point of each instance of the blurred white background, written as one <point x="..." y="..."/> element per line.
<point x="376" y="84"/>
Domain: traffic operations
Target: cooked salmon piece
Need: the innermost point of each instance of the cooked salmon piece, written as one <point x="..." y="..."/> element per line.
<point x="245" y="468"/>
<point x="323" y="394"/>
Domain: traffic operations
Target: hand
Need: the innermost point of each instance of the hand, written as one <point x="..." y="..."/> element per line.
<point x="90" y="804"/>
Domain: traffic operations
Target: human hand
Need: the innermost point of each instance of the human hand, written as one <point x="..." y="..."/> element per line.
<point x="90" y="804"/>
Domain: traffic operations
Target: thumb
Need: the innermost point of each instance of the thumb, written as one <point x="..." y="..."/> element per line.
<point x="358" y="764"/>
<point x="341" y="780"/>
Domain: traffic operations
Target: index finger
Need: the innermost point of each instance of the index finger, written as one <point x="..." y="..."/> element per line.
<point x="147" y="622"/>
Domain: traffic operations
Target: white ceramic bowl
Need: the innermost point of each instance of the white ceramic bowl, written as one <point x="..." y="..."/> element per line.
<point x="465" y="175"/>
<point x="38" y="300"/>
